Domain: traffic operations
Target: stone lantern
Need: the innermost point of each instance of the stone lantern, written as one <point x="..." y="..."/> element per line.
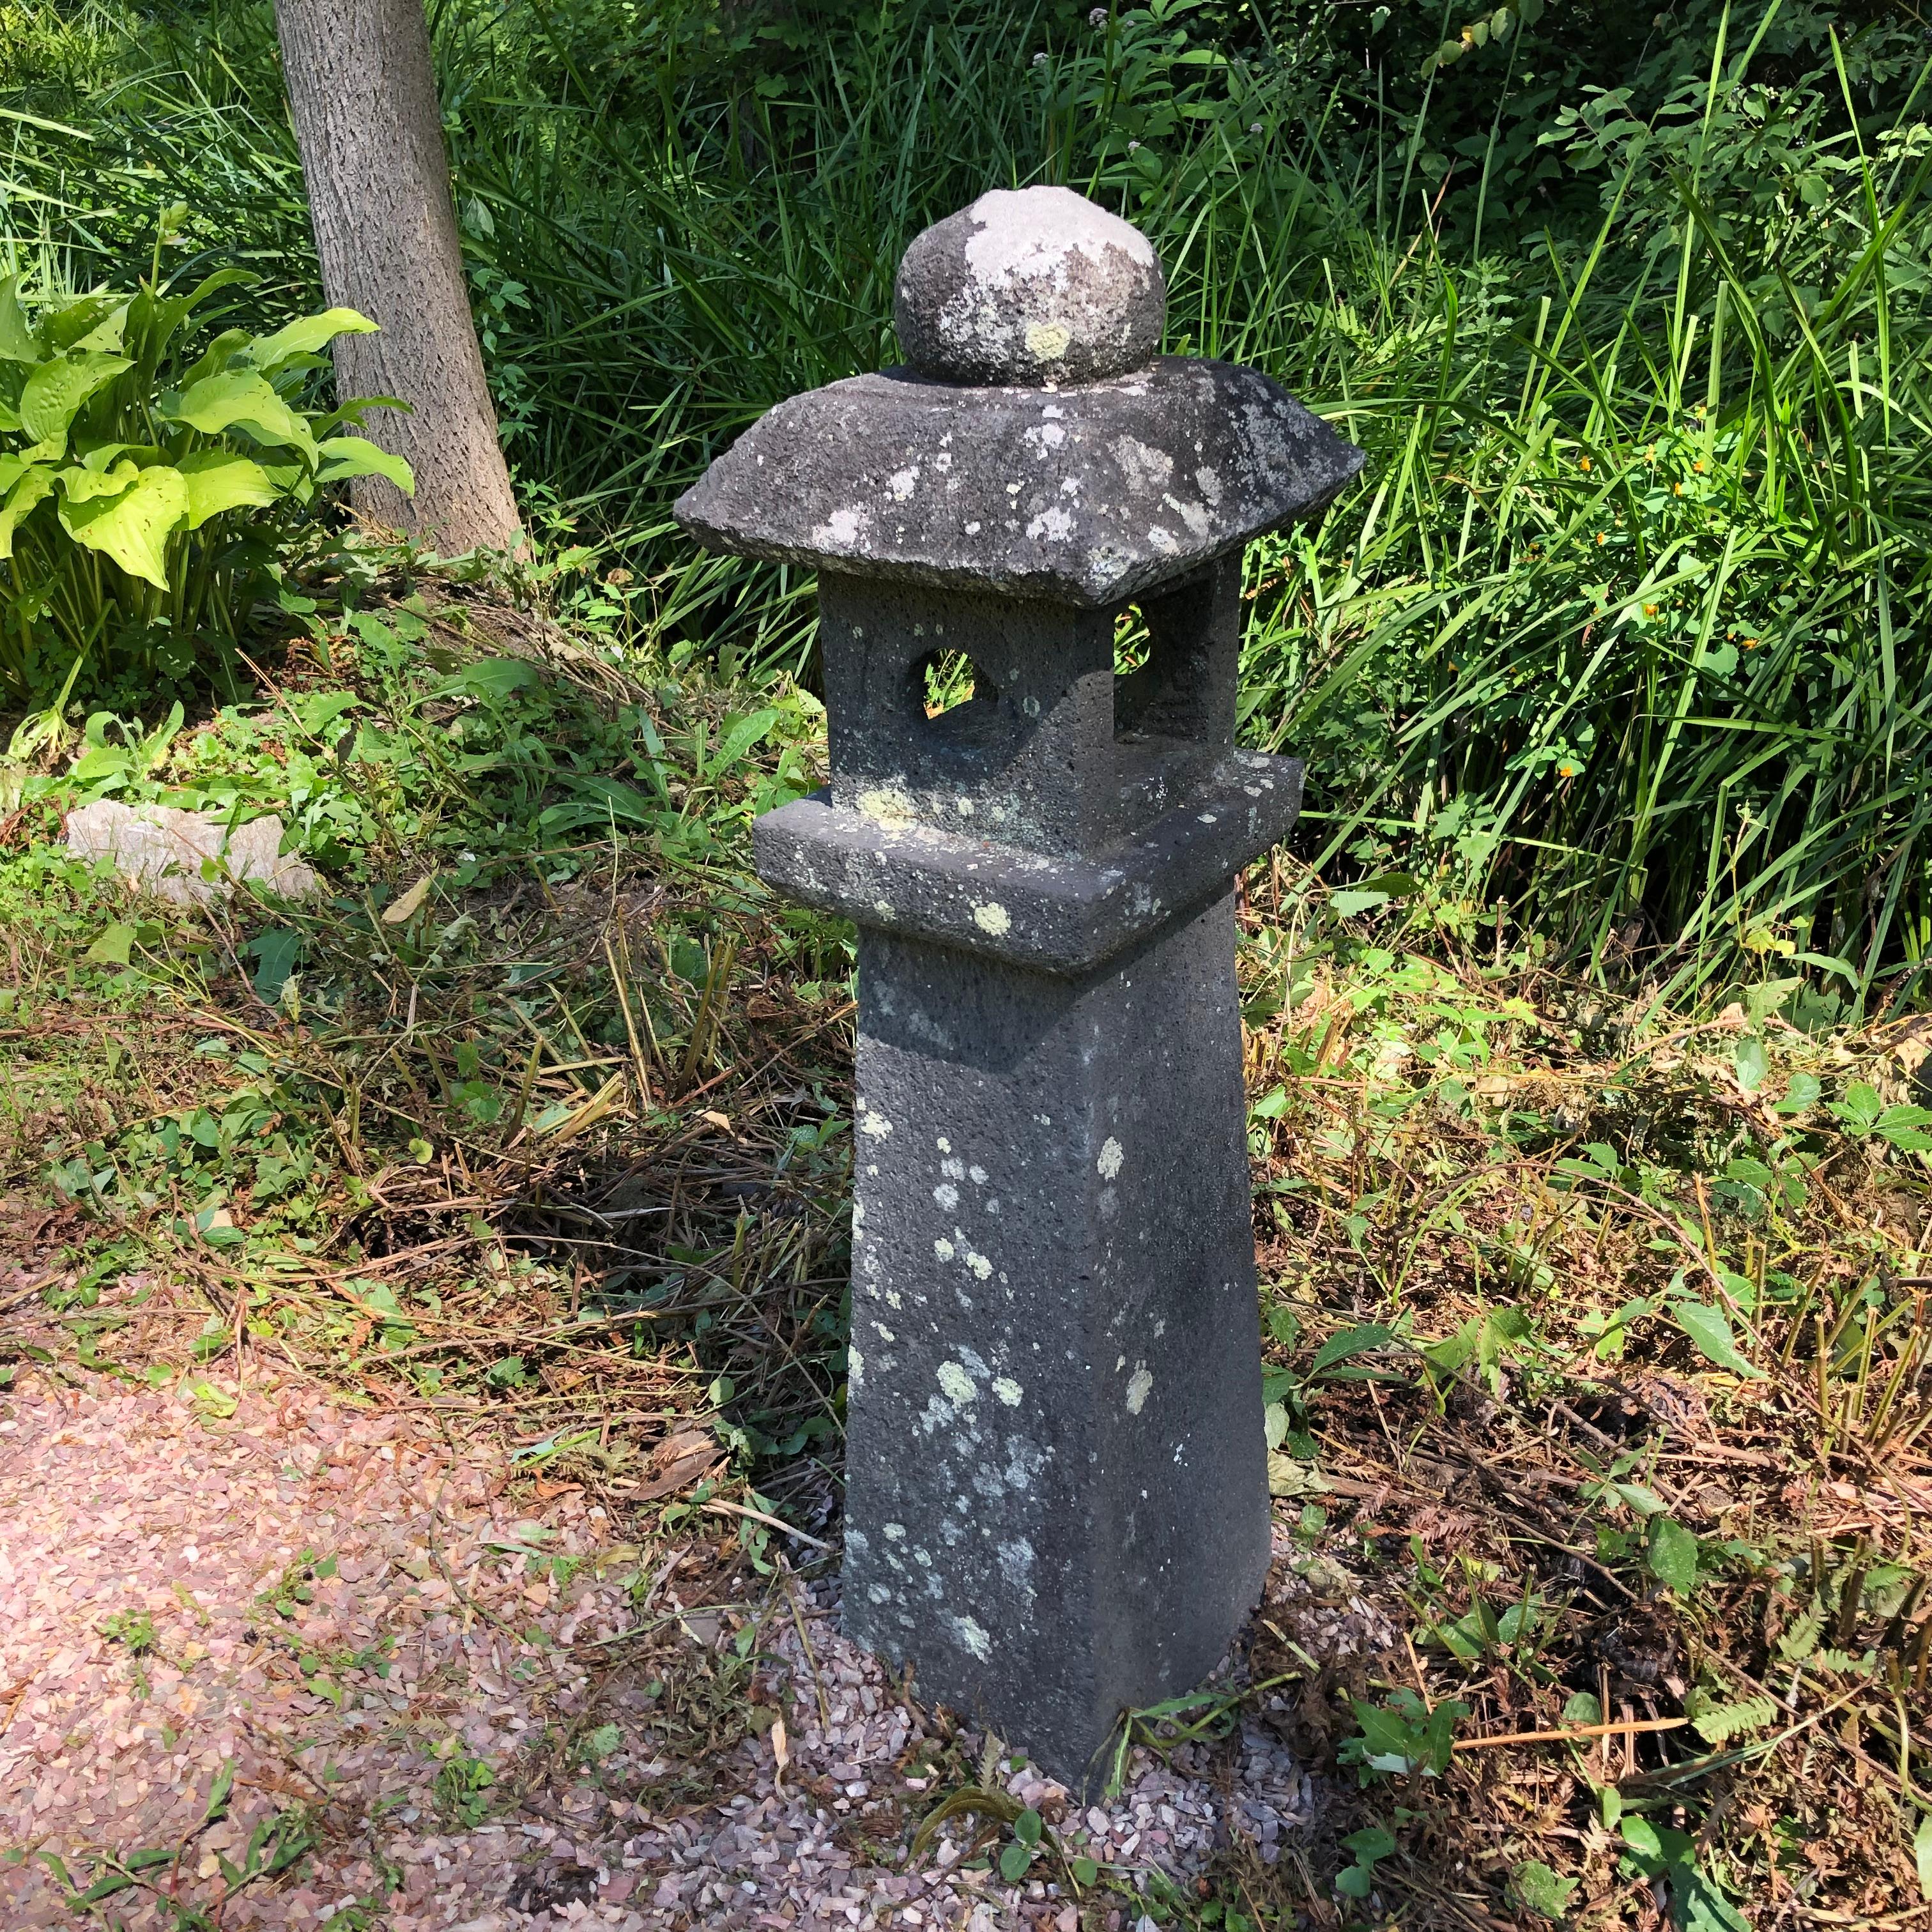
<point x="1056" y="1503"/>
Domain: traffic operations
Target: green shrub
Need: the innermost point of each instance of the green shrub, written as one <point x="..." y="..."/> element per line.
<point x="144" y="497"/>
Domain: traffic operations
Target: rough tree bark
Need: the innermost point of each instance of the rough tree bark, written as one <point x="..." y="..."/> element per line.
<point x="362" y="91"/>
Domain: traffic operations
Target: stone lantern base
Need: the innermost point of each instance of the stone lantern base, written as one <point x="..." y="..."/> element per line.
<point x="1054" y="1443"/>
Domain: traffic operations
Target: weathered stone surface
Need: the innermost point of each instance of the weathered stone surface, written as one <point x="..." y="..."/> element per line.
<point x="1056" y="1496"/>
<point x="1085" y="497"/>
<point x="1054" y="915"/>
<point x="163" y="850"/>
<point x="1037" y="286"/>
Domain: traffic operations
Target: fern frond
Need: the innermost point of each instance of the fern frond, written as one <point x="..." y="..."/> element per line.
<point x="1723" y="1722"/>
<point x="1801" y="1639"/>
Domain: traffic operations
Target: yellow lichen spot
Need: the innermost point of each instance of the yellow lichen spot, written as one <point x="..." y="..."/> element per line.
<point x="993" y="918"/>
<point x="886" y="805"/>
<point x="1046" y="341"/>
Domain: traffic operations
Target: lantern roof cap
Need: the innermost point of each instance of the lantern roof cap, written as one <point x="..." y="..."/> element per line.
<point x="1086" y="495"/>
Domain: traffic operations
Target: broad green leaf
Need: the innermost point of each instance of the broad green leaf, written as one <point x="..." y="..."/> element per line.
<point x="62" y="328"/>
<point x="84" y="482"/>
<point x="102" y="456"/>
<point x="221" y="479"/>
<point x="356" y="409"/>
<point x="320" y="709"/>
<point x="1645" y="1501"/>
<point x="276" y="952"/>
<point x="16" y="339"/>
<point x="153" y="320"/>
<point x="54" y="394"/>
<point x="1673" y="1556"/>
<point x="134" y="527"/>
<point x="1921" y="1853"/>
<point x="109" y="334"/>
<point x="208" y="285"/>
<point x="1904" y="1126"/>
<point x="1752" y="1063"/>
<point x="1710" y="1328"/>
<point x="609" y="798"/>
<point x="241" y="399"/>
<point x="1859" y="1112"/>
<point x="345" y="456"/>
<point x="740" y="739"/>
<point x="12" y="468"/>
<point x="35" y="486"/>
<point x="1348" y="905"/>
<point x="1801" y="1093"/>
<point x="491" y="680"/>
<point x="215" y="357"/>
<point x="1542" y="1890"/>
<point x="306" y="336"/>
<point x="205" y="1396"/>
<point x="113" y="947"/>
<point x="1357" y="1341"/>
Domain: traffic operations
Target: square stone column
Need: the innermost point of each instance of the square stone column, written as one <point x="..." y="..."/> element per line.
<point x="1056" y="1505"/>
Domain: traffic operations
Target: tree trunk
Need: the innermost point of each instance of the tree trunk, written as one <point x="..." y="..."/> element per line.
<point x="362" y="92"/>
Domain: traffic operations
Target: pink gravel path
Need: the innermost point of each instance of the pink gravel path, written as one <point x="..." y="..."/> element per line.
<point x="433" y="1635"/>
<point x="131" y="1503"/>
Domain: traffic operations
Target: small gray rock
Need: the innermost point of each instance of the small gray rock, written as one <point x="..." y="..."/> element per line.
<point x="162" y="850"/>
<point x="1035" y="288"/>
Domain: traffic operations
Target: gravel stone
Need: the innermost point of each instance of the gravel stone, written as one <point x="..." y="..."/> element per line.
<point x="131" y="1502"/>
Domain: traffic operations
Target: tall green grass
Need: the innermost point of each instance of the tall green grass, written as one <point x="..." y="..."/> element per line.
<point x="1622" y="630"/>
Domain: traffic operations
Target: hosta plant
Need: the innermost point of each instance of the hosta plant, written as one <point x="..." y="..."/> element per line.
<point x="145" y="494"/>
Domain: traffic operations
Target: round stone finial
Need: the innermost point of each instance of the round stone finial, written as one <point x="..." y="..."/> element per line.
<point x="1030" y="288"/>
